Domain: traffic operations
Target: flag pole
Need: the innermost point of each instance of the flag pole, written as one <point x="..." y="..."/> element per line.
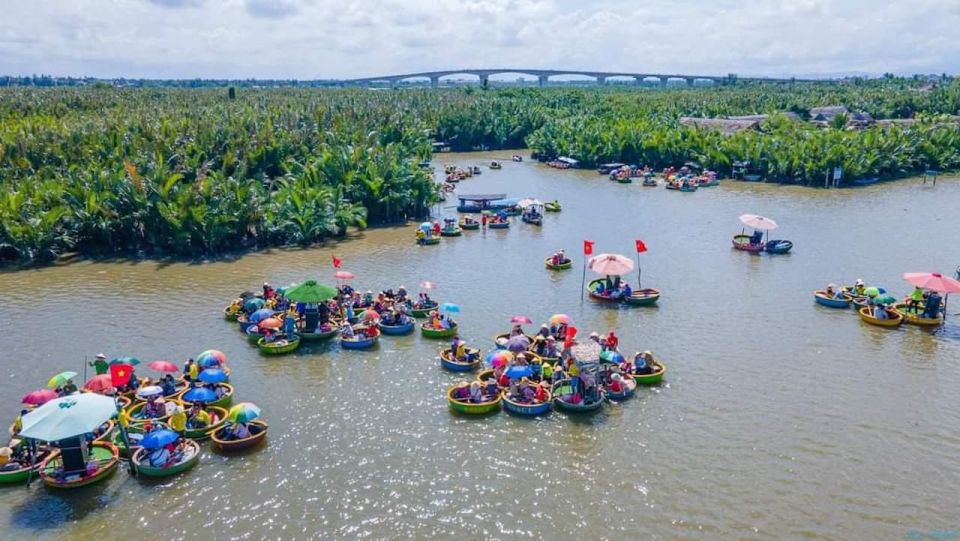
<point x="638" y="271"/>
<point x="583" y="279"/>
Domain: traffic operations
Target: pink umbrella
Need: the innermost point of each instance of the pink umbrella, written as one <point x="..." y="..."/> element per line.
<point x="557" y="319"/>
<point x="163" y="366"/>
<point x="521" y="320"/>
<point x="933" y="281"/>
<point x="428" y="285"/>
<point x="39" y="397"/>
<point x="343" y="275"/>
<point x="99" y="384"/>
<point x="370" y="315"/>
<point x="613" y="264"/>
<point x="758" y="222"/>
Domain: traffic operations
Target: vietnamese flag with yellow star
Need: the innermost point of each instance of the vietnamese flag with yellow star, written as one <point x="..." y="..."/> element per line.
<point x="120" y="374"/>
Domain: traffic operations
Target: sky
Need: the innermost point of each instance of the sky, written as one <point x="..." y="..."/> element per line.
<point x="342" y="39"/>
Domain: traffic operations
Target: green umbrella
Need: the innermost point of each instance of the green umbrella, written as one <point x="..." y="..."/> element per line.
<point x="125" y="360"/>
<point x="871" y="292"/>
<point x="885" y="299"/>
<point x="60" y="379"/>
<point x="311" y="292"/>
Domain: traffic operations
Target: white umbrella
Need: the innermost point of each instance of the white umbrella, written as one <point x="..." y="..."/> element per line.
<point x="524" y="203"/>
<point x="758" y="222"/>
<point x="148" y="391"/>
<point x="68" y="416"/>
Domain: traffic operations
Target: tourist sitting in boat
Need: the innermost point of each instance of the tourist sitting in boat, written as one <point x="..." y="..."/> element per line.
<point x="198" y="417"/>
<point x="558" y="258"/>
<point x="643" y="363"/>
<point x="462" y="392"/>
<point x="616" y="383"/>
<point x="525" y="393"/>
<point x="561" y="332"/>
<point x="476" y="393"/>
<point x="550" y="350"/>
<point x="421" y="236"/>
<point x="933" y="306"/>
<point x="880" y="312"/>
<point x="168" y="384"/>
<point x="68" y="388"/>
<point x="153" y="408"/>
<point x="234" y="431"/>
<point x="832" y="292"/>
<point x="756" y="238"/>
<point x="491" y="389"/>
<point x="346" y="331"/>
<point x="627" y="290"/>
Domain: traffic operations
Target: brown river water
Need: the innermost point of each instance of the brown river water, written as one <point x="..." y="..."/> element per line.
<point x="778" y="419"/>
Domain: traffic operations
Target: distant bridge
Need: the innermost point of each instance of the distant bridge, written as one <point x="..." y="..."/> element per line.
<point x="543" y="77"/>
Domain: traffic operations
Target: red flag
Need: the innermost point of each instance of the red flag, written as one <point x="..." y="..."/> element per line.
<point x="568" y="339"/>
<point x="641" y="247"/>
<point x="336" y="262"/>
<point x="120" y="374"/>
<point x="588" y="247"/>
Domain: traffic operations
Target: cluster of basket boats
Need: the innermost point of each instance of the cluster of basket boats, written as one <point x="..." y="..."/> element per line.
<point x="898" y="311"/>
<point x="123" y="436"/>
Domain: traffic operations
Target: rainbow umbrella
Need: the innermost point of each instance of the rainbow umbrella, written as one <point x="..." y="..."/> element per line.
<point x="163" y="366"/>
<point x="498" y="358"/>
<point x="213" y="375"/>
<point x="557" y="319"/>
<point x="244" y="412"/>
<point x="38" y="397"/>
<point x="217" y="356"/>
<point x="99" y="384"/>
<point x="60" y="379"/>
<point x="521" y="320"/>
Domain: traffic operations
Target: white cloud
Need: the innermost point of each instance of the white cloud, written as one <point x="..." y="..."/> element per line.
<point x="331" y="38"/>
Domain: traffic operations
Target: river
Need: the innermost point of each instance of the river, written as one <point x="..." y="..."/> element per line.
<point x="778" y="419"/>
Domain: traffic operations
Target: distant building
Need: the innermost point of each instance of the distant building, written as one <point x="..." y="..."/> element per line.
<point x="823" y="116"/>
<point x="726" y="126"/>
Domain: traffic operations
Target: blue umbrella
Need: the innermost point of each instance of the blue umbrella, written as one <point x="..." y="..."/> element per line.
<point x="159" y="438"/>
<point x="449" y="307"/>
<point x="254" y="304"/>
<point x="261" y="315"/>
<point x="517" y="372"/>
<point x="200" y="394"/>
<point x="611" y="357"/>
<point x="208" y="362"/>
<point x="213" y="375"/>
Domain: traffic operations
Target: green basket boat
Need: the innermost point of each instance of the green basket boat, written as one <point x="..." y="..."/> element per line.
<point x="106" y="455"/>
<point x="191" y="455"/>
<point x="223" y="402"/>
<point x="280" y="347"/>
<point x="455" y="232"/>
<point x="318" y="336"/>
<point x="228" y="315"/>
<point x="424" y="311"/>
<point x="562" y="266"/>
<point x="202" y="433"/>
<point x="552" y="206"/>
<point x="427" y="332"/>
<point x="18" y="477"/>
<point x="643" y="297"/>
<point x="654" y="378"/>
<point x="470" y="408"/>
<point x="430" y="241"/>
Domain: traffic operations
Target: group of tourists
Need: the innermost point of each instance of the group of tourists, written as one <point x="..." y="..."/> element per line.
<point x="612" y="287"/>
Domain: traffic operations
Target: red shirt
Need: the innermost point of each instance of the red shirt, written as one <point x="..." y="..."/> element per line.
<point x="613" y="341"/>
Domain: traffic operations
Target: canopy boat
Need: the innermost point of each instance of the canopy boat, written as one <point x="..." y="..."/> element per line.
<point x="279" y="347"/>
<point x="103" y="456"/>
<point x="659" y="369"/>
<point x="552" y="206"/>
<point x="607" y="168"/>
<point x="742" y="242"/>
<point x="822" y="298"/>
<point x="643" y="297"/>
<point x="592" y="289"/>
<point x="190" y="455"/>
<point x="473" y="408"/>
<point x="778" y="246"/>
<point x="258" y="433"/>
<point x="360" y="339"/>
<point x="318" y="335"/>
<point x="448" y="362"/>
<point x="522" y="409"/>
<point x="397" y="330"/>
<point x="20" y="476"/>
<point x="562" y="400"/>
<point x="499" y="225"/>
<point x="424" y="309"/>
<point x="429" y="332"/>
<point x="916" y="316"/>
<point x="629" y="387"/>
<point x="454" y="231"/>
<point x="470" y="225"/>
<point x="218" y="416"/>
<point x="548" y="262"/>
<point x="895" y="319"/>
<point x="223" y="402"/>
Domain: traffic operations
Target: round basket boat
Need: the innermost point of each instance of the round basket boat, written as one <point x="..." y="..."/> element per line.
<point x="360" y="341"/>
<point x="223" y="402"/>
<point x="469" y="226"/>
<point x="397" y="330"/>
<point x="429" y="241"/>
<point x="105" y="431"/>
<point x="653" y="378"/>
<point x="279" y="347"/>
<point x="429" y="332"/>
<point x="582" y="407"/>
<point x="132" y="411"/>
<point x="448" y="362"/>
<point x="506" y="336"/>
<point x="527" y="410"/>
<point x="552" y="206"/>
<point x="318" y="336"/>
<point x="499" y="225"/>
<point x="562" y="266"/>
<point x="230" y="315"/>
<point x="629" y="387"/>
<point x="742" y="242"/>
<point x="105" y="455"/>
<point x="778" y="246"/>
<point x="219" y="417"/>
<point x="895" y="319"/>
<point x="454" y="232"/>
<point x="914" y="316"/>
<point x="424" y="310"/>
<point x="135" y="433"/>
<point x="17" y="477"/>
<point x="822" y="298"/>
<point x="471" y="408"/>
<point x="189" y="459"/>
<point x="258" y="433"/>
<point x="592" y="291"/>
<point x="253" y="334"/>
<point x="643" y="297"/>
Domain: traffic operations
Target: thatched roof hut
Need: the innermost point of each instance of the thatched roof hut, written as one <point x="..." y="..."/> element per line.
<point x="726" y="126"/>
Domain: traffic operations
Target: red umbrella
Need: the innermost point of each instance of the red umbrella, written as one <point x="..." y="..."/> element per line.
<point x="933" y="281"/>
<point x="521" y="320"/>
<point x="271" y="323"/>
<point x="163" y="366"/>
<point x="39" y="397"/>
<point x="428" y="285"/>
<point x="99" y="384"/>
<point x="343" y="275"/>
<point x="370" y="315"/>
